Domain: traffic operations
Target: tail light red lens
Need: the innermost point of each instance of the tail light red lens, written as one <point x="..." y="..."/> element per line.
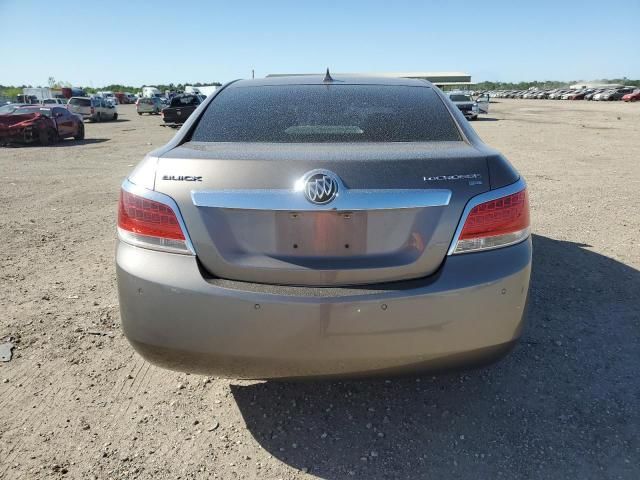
<point x="150" y="224"/>
<point x="496" y="223"/>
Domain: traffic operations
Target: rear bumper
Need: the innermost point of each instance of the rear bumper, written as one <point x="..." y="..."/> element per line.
<point x="84" y="116"/>
<point x="471" y="311"/>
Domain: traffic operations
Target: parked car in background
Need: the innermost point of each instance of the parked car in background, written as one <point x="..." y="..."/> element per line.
<point x="46" y="125"/>
<point x="130" y="97"/>
<point x="601" y="95"/>
<point x="54" y="101"/>
<point x="557" y="95"/>
<point x="238" y="259"/>
<point x="92" y="108"/>
<point x="633" y="96"/>
<point x="469" y="107"/>
<point x="589" y="96"/>
<point x="617" y="94"/>
<point x="579" y="95"/>
<point x="150" y="105"/>
<point x="181" y="107"/>
<point x="108" y="96"/>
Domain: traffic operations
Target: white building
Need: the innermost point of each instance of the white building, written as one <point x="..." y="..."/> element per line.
<point x="447" y="80"/>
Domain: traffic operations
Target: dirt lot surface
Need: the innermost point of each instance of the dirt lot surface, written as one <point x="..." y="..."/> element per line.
<point x="77" y="402"/>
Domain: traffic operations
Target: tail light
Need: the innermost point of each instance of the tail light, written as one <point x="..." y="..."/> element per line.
<point x="495" y="223"/>
<point x="151" y="222"/>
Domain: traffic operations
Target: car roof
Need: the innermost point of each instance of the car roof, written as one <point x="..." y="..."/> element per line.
<point x="337" y="80"/>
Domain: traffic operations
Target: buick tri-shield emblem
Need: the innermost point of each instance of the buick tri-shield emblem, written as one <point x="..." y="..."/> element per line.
<point x="320" y="187"/>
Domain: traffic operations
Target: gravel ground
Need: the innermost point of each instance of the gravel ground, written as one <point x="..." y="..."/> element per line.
<point x="77" y="402"/>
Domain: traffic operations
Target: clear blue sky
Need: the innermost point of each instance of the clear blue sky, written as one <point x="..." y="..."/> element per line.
<point x="135" y="42"/>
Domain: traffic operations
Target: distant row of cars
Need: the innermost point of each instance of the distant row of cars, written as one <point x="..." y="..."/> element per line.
<point x="117" y="97"/>
<point x="56" y="118"/>
<point x="53" y="119"/>
<point x="627" y="94"/>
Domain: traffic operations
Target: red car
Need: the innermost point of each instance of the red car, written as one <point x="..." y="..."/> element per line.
<point x="633" y="96"/>
<point x="44" y="125"/>
<point x="579" y="95"/>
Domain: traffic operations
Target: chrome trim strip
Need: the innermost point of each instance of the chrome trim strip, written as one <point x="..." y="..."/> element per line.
<point x="345" y="200"/>
<point x="130" y="187"/>
<point x="519" y="185"/>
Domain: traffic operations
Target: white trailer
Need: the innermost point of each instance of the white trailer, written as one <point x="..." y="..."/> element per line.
<point x="201" y="90"/>
<point x="149" y="92"/>
<point x="42" y="93"/>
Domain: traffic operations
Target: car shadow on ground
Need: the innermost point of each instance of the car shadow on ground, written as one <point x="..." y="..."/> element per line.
<point x="563" y="404"/>
<point x="67" y="142"/>
<point x="118" y="120"/>
<point x="70" y="142"/>
<point x="486" y="119"/>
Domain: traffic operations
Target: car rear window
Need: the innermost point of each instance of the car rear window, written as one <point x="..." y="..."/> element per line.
<point x="459" y="98"/>
<point x="25" y="110"/>
<point x="185" y="101"/>
<point x="326" y="113"/>
<point x="81" y="102"/>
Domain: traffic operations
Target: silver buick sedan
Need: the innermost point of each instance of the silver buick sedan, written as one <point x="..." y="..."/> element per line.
<point x="318" y="226"/>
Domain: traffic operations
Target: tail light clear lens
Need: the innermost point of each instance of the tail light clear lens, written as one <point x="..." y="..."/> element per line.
<point x="150" y="224"/>
<point x="496" y="223"/>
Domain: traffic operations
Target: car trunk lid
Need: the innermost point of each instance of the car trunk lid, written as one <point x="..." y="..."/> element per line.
<point x="394" y="218"/>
